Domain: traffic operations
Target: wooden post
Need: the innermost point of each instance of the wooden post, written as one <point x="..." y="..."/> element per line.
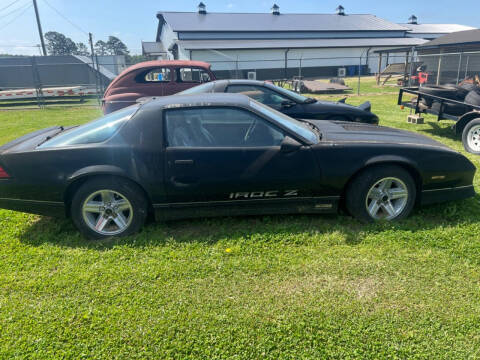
<point x="439" y="69"/>
<point x="379" y="68"/>
<point x="406" y="65"/>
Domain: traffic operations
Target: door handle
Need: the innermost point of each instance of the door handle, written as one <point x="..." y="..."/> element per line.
<point x="183" y="162"/>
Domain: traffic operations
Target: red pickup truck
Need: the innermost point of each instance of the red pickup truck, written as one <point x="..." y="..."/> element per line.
<point x="154" y="78"/>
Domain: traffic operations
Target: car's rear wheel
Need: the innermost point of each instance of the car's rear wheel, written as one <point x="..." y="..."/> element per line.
<point x="471" y="137"/>
<point x="381" y="193"/>
<point x="106" y="207"/>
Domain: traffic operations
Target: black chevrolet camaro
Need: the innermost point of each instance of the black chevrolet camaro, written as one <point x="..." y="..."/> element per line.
<point x="222" y="154"/>
<point x="289" y="102"/>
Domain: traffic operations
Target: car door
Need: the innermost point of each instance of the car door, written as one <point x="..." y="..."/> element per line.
<point x="231" y="155"/>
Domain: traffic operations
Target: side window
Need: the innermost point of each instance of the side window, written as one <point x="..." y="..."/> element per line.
<point x="219" y="127"/>
<point x="194" y="75"/>
<point x="158" y="75"/>
<point x="261" y="94"/>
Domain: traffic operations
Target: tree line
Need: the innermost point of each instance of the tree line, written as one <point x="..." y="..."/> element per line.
<point x="59" y="44"/>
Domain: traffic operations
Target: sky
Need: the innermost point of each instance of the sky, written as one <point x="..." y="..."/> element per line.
<point x="134" y="21"/>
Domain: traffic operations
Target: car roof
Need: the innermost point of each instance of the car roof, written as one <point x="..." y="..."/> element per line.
<point x="155" y="63"/>
<point x="205" y="99"/>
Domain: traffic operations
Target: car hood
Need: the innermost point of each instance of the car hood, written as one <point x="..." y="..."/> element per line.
<point x="347" y="132"/>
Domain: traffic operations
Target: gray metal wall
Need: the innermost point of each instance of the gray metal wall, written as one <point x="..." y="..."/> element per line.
<point x="46" y="71"/>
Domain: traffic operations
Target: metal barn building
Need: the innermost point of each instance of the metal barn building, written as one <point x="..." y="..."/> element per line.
<point x="276" y="45"/>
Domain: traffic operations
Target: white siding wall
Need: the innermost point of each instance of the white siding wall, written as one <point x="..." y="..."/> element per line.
<point x="275" y="58"/>
<point x="168" y="38"/>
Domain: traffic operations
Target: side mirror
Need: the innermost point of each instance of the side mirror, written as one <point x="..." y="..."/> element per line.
<point x="289" y="145"/>
<point x="288" y="104"/>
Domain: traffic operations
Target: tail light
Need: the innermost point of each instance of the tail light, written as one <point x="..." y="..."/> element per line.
<point x="3" y="174"/>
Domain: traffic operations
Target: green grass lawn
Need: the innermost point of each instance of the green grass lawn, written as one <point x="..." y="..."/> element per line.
<point x="271" y="287"/>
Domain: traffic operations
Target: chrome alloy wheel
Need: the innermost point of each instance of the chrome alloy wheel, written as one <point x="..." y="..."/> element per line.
<point x="473" y="138"/>
<point x="387" y="198"/>
<point x="107" y="212"/>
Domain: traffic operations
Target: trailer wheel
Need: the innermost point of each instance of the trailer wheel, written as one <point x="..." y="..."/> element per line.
<point x="471" y="137"/>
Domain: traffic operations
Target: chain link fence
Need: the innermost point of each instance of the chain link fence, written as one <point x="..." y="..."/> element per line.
<point x="450" y="68"/>
<point x="42" y="81"/>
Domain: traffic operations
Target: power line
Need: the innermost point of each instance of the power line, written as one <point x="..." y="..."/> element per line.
<point x="2" y="46"/>
<point x="6" y="7"/>
<point x="15" y="10"/>
<point x="65" y="18"/>
<point x="16" y="17"/>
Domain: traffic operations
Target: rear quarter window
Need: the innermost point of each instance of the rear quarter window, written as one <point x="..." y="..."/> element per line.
<point x="97" y="131"/>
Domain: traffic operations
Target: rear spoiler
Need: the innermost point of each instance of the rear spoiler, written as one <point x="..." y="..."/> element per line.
<point x="27" y="137"/>
<point x="366" y="106"/>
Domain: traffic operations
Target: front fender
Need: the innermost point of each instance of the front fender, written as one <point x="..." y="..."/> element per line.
<point x="464" y="120"/>
<point x="390" y="159"/>
<point x="409" y="164"/>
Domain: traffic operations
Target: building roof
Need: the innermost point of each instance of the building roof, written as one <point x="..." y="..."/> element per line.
<point x="193" y="21"/>
<point x="456" y="38"/>
<point x="298" y="43"/>
<point x="435" y="28"/>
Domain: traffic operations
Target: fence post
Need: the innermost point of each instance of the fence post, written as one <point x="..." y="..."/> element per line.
<point x="412" y="59"/>
<point x="37" y="83"/>
<point x="359" y="74"/>
<point x="236" y="68"/>
<point x="459" y="66"/>
<point x="379" y="68"/>
<point x="466" y="66"/>
<point x="439" y="69"/>
<point x="300" y="68"/>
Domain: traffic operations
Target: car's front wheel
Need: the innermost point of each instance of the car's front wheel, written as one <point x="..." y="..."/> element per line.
<point x="381" y="193"/>
<point x="106" y="207"/>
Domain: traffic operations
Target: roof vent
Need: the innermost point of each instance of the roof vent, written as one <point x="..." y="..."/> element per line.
<point x="202" y="9"/>
<point x="412" y="20"/>
<point x="340" y="10"/>
<point x="275" y="9"/>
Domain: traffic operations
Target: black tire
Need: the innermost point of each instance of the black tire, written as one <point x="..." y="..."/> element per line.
<point x="473" y="97"/>
<point x="123" y="188"/>
<point x="452" y="109"/>
<point x="359" y="188"/>
<point x="441" y="91"/>
<point x="469" y="132"/>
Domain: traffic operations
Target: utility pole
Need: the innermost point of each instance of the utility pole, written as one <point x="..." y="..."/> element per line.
<point x="40" y="33"/>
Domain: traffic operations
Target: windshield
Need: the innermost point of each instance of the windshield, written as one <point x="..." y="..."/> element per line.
<point x="294" y="125"/>
<point x="200" y="89"/>
<point x="297" y="97"/>
<point x="96" y="131"/>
